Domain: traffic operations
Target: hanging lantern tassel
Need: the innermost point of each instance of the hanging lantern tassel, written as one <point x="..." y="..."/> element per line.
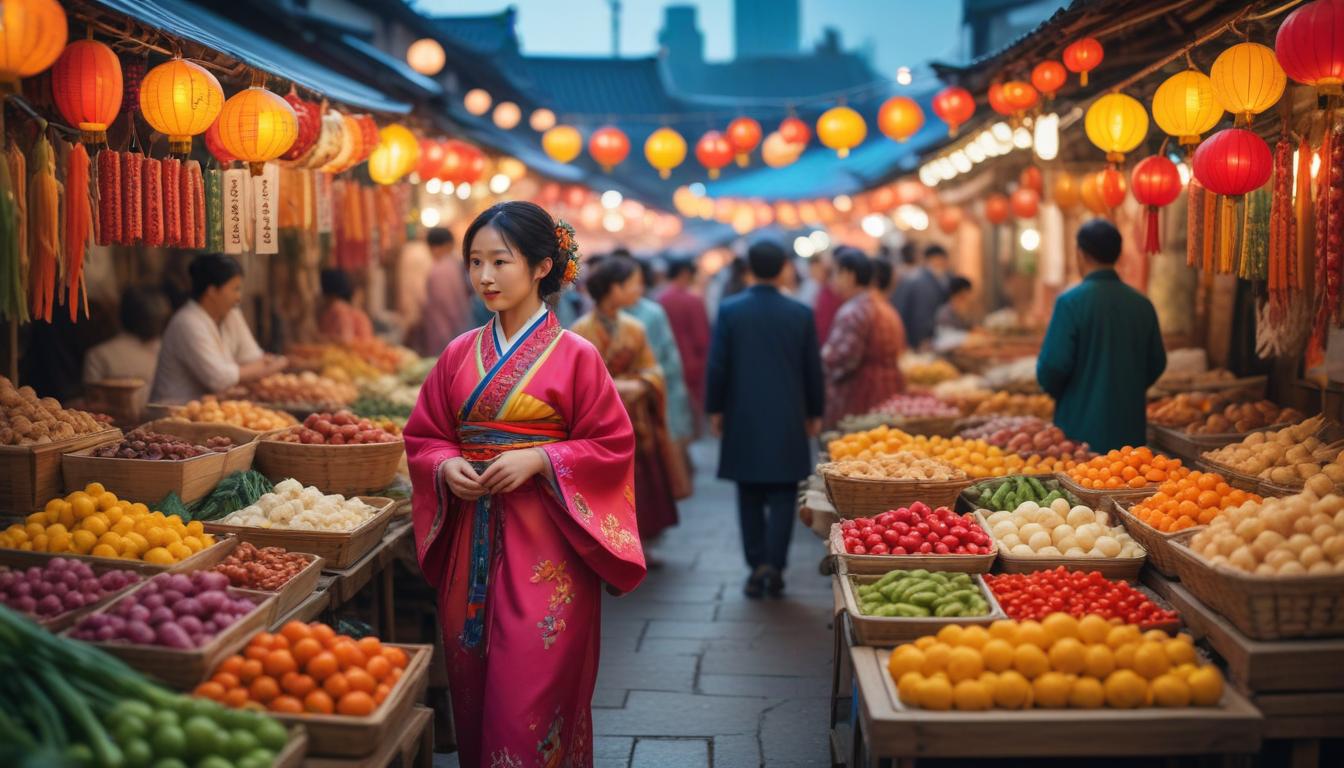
<point x="1152" y="242"/>
<point x="1227" y="232"/>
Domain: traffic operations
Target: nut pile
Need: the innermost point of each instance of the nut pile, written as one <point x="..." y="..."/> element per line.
<point x="156" y="446"/>
<point x="902" y="465"/>
<point x="239" y="413"/>
<point x="1288" y="456"/>
<point x="26" y="419"/>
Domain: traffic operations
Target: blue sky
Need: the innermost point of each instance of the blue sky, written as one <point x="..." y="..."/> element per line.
<point x="900" y="32"/>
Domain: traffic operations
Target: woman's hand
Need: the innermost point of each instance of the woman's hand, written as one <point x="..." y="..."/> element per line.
<point x="512" y="469"/>
<point x="462" y="479"/>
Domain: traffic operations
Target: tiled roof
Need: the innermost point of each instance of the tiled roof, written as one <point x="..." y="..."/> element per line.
<point x="777" y="76"/>
<point x="596" y="86"/>
<point x="493" y="33"/>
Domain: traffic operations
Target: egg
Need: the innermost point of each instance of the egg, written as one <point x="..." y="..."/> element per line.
<point x="1079" y="516"/>
<point x="1060" y="506"/>
<point x="1311" y="556"/>
<point x="1066" y="543"/>
<point x="1108" y="546"/>
<point x="1003" y="529"/>
<point x="1277" y="557"/>
<point x="1031" y="529"/>
<point x="1039" y="540"/>
<point x="1010" y="541"/>
<point x="1292" y="568"/>
<point x="1022" y="549"/>
<point x="1265" y="542"/>
<point x="1243" y="559"/>
<point x="1049" y="520"/>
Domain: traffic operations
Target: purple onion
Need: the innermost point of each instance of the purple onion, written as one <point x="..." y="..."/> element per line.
<point x="172" y="635"/>
<point x="161" y="615"/>
<point x="151" y="601"/>
<point x="140" y="633"/>
<point x="73" y="600"/>
<point x="106" y="633"/>
<point x="179" y="583"/>
<point x="171" y="596"/>
<point x="122" y="609"/>
<point x="50" y="606"/>
<point x="139" y="613"/>
<point x="242" y="606"/>
<point x="188" y="606"/>
<point x="41" y="589"/>
<point x="117" y="622"/>
<point x="33" y="573"/>
<point x="91" y="587"/>
<point x="190" y="624"/>
<point x="224" y="620"/>
<point x="212" y="601"/>
<point x="60" y="589"/>
<point x="23" y="589"/>
<point x="25" y="604"/>
<point x="70" y="578"/>
<point x="213" y="580"/>
<point x="151" y="588"/>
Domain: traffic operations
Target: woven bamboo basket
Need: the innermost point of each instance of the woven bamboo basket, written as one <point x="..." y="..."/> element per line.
<point x="1051" y="482"/>
<point x="1264" y="607"/>
<point x="883" y="631"/>
<point x="1191" y="448"/>
<point x="942" y="426"/>
<point x="60" y="621"/>
<point x="1096" y="498"/>
<point x="861" y="497"/>
<point x="1157" y="543"/>
<point x="339" y="549"/>
<point x="1126" y="568"/>
<point x="244" y="440"/>
<point x="350" y="470"/>
<point x="880" y="564"/>
<point x="206" y="558"/>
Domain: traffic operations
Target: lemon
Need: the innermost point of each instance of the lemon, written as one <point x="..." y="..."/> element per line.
<point x="1179" y="652"/>
<point x="908" y="688"/>
<point x="974" y="636"/>
<point x="83" y="542"/>
<point x="1170" y="690"/>
<point x="66" y="515"/>
<point x="94" y="489"/>
<point x="179" y="551"/>
<point x="989" y="679"/>
<point x="54" y="505"/>
<point x="154" y="535"/>
<point x="58" y="542"/>
<point x="195" y="528"/>
<point x="111" y="539"/>
<point x="964" y="664"/>
<point x="1098" y="661"/>
<point x="1124" y="656"/>
<point x="925" y="642"/>
<point x="972" y="696"/>
<point x="1087" y="693"/>
<point x="124" y="526"/>
<point x="1125" y="690"/>
<point x="935" y="693"/>
<point x="935" y="659"/>
<point x="35" y="529"/>
<point x="1059" y="626"/>
<point x="906" y="658"/>
<point x="83" y="506"/>
<point x="1004" y="629"/>
<point x="997" y="654"/>
<point x="1030" y="661"/>
<point x="1032" y="633"/>
<point x="1156" y="636"/>
<point x="1150" y="660"/>
<point x="1051" y="690"/>
<point x="107" y="500"/>
<point x="950" y="634"/>
<point x="40" y="542"/>
<point x="95" y="524"/>
<point x="1012" y="691"/>
<point x="1206" y="686"/>
<point x="1122" y="635"/>
<point x="1068" y="655"/>
<point x="159" y="556"/>
<point x="193" y="543"/>
<point x="1093" y="629"/>
<point x="104" y="550"/>
<point x="1184" y="670"/>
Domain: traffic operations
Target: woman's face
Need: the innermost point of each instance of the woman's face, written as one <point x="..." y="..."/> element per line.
<point x="501" y="276"/>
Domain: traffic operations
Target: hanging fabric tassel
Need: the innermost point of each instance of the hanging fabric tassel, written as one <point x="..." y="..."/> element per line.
<point x="1227" y="233"/>
<point x="1152" y="243"/>
<point x="1303" y="213"/>
<point x="1210" y="220"/>
<point x="1194" y="225"/>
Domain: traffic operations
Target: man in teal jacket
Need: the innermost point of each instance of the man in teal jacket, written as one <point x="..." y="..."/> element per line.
<point x="1103" y="349"/>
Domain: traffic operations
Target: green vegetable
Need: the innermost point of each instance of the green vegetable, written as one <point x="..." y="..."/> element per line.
<point x="238" y="490"/>
<point x="172" y="505"/>
<point x="907" y="594"/>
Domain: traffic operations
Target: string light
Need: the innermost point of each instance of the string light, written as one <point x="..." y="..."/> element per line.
<point x="802" y="245"/>
<point x="1030" y="239"/>
<point x="903" y="76"/>
<point x="434" y="186"/>
<point x="430" y="217"/>
<point x="611" y="199"/>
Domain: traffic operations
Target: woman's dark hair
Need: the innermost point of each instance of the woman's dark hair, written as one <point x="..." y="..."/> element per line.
<point x="210" y="270"/>
<point x="851" y="260"/>
<point x="437" y="236"/>
<point x="1100" y="240"/>
<point x="144" y="312"/>
<point x="956" y="285"/>
<point x="606" y="273"/>
<point x="883" y="272"/>
<point x="336" y="283"/>
<point x="528" y="230"/>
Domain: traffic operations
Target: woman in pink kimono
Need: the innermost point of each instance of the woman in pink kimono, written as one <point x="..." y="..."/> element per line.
<point x="521" y="458"/>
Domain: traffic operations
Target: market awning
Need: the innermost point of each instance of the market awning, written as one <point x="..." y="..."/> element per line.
<point x="189" y="21"/>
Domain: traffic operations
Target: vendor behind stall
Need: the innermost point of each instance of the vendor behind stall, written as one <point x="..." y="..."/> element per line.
<point x="208" y="347"/>
<point x="340" y="321"/>
<point x="134" y="351"/>
<point x="1103" y="349"/>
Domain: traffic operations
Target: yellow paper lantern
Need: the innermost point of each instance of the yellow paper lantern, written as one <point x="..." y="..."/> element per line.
<point x="512" y="167"/>
<point x="506" y="116"/>
<point x="477" y="101"/>
<point x="180" y="99"/>
<point x="426" y="56"/>
<point x="1184" y="106"/>
<point x="396" y="154"/>
<point x="841" y="129"/>
<point x="257" y="126"/>
<point x="1247" y="80"/>
<point x="541" y="120"/>
<point x="32" y="35"/>
<point x="562" y="143"/>
<point x="1116" y="123"/>
<point x="665" y="149"/>
<point x="778" y="152"/>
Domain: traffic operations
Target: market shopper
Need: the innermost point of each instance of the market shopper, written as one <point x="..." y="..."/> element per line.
<point x="339" y="320"/>
<point x="207" y="346"/>
<point x="134" y="352"/>
<point x="861" y="355"/>
<point x="663" y="342"/>
<point x="615" y="284"/>
<point x="521" y="459"/>
<point x="764" y="395"/>
<point x="690" y="325"/>
<point x="449" y="309"/>
<point x="956" y="315"/>
<point x="920" y="294"/>
<point x="417" y="262"/>
<point x="1102" y="350"/>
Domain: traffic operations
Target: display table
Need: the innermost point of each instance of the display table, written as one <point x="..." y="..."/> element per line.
<point x="410" y="747"/>
<point x="342" y="585"/>
<point x="886" y="731"/>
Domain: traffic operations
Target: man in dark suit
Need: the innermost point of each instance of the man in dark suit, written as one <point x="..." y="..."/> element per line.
<point x="764" y="396"/>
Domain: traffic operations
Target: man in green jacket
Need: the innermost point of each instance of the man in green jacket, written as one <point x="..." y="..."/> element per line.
<point x="1103" y="349"/>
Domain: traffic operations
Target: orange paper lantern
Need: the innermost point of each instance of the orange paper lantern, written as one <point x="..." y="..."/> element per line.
<point x="1082" y="57"/>
<point x="1048" y="77"/>
<point x="257" y="126"/>
<point x="1113" y="187"/>
<point x="609" y="146"/>
<point x="795" y="131"/>
<point x="180" y="99"/>
<point x="1090" y="192"/>
<point x="1019" y="96"/>
<point x="900" y="118"/>
<point x="1024" y="202"/>
<point x="954" y="105"/>
<point x="1030" y="178"/>
<point x="841" y="129"/>
<point x="32" y="34"/>
<point x="86" y="86"/>
<point x="998" y="101"/>
<point x="714" y="152"/>
<point x="744" y="134"/>
<point x="1065" y="192"/>
<point x="949" y="219"/>
<point x="996" y="209"/>
<point x="665" y="149"/>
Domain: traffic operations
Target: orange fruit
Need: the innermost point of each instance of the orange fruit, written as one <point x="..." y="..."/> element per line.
<point x="297" y="684"/>
<point x="305" y="649"/>
<point x="380" y="667"/>
<point x="397" y="672"/>
<point x="263" y="689"/>
<point x="250" y="671"/>
<point x="294" y="631"/>
<point x="227" y="679"/>
<point x="319" y="702"/>
<point x="231" y="664"/>
<point x="360" y="680"/>
<point x="261" y="640"/>
<point x="322" y="666"/>
<point x="355" y="704"/>
<point x="322" y="633"/>
<point x="287" y="704"/>
<point x="381" y="692"/>
<point x="337" y="685"/>
<point x="371" y="646"/>
<point x="210" y="690"/>
<point x="279" y="643"/>
<point x="258" y="652"/>
<point x="277" y="663"/>
<point x="235" y="697"/>
<point x="349" y="655"/>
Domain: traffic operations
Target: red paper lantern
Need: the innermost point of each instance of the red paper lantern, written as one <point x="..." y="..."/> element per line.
<point x="1048" y="77"/>
<point x="1082" y="57"/>
<point x="86" y="86"/>
<point x="1156" y="183"/>
<point x="1019" y="96"/>
<point x="430" y="164"/>
<point x="609" y="146"/>
<point x="883" y="199"/>
<point x="744" y="135"/>
<point x="309" y="114"/>
<point x="949" y="219"/>
<point x="575" y="196"/>
<point x="714" y="152"/>
<point x="900" y="118"/>
<point x="996" y="209"/>
<point x="462" y="162"/>
<point x="795" y="131"/>
<point x="1310" y="45"/>
<point x="216" y="146"/>
<point x="1113" y="187"/>
<point x="1031" y="179"/>
<point x="954" y="105"/>
<point x="1024" y="202"/>
<point x="1232" y="162"/>
<point x="998" y="101"/>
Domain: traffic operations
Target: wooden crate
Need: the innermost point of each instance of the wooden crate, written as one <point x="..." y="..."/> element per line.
<point x="183" y="670"/>
<point x="891" y="631"/>
<point x="1096" y="499"/>
<point x="344" y="469"/>
<point x="411" y="743"/>
<point x="346" y="736"/>
<point x="145" y="480"/>
<point x="1126" y="568"/>
<point x="339" y="549"/>
<point x="237" y="459"/>
<point x="880" y="564"/>
<point x="30" y="475"/>
<point x="206" y="558"/>
<point x="295" y="750"/>
<point x="862" y="497"/>
<point x="62" y="620"/>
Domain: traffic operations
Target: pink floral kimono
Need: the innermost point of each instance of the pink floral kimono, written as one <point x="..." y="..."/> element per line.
<point x="520" y="575"/>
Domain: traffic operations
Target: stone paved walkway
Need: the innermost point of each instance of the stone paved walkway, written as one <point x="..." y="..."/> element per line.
<point x="694" y="674"/>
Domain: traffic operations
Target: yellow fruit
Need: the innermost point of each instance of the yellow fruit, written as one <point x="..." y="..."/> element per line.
<point x="1170" y="690"/>
<point x="1125" y="690"/>
<point x="1206" y="686"/>
<point x="95" y="524"/>
<point x="972" y="696"/>
<point x="964" y="664"/>
<point x="53" y="505"/>
<point x="107" y="500"/>
<point x="1051" y="690"/>
<point x="83" y="506"/>
<point x="208" y="540"/>
<point x="195" y="528"/>
<point x="1150" y="660"/>
<point x="159" y="556"/>
<point x="104" y="550"/>
<point x="35" y="529"/>
<point x="1179" y="652"/>
<point x="94" y="489"/>
<point x="935" y="659"/>
<point x="950" y="634"/>
<point x="66" y="516"/>
<point x="51" y="516"/>
<point x="83" y="542"/>
<point x="1121" y="635"/>
<point x="1093" y="629"/>
<point x="1004" y="629"/>
<point x="924" y="642"/>
<point x="40" y="542"/>
<point x="154" y="535"/>
<point x="140" y="543"/>
<point x="935" y="693"/>
<point x="1124" y="656"/>
<point x="1012" y="691"/>
<point x="997" y="654"/>
<point x="111" y="539"/>
<point x="906" y="658"/>
<point x="1059" y="626"/>
<point x="139" y="509"/>
<point x="1156" y="636"/>
<point x="908" y="688"/>
<point x="1067" y="655"/>
<point x="114" y="515"/>
<point x="192" y="543"/>
<point x="988" y="679"/>
<point x="58" y="542"/>
<point x="1087" y="693"/>
<point x="171" y="536"/>
<point x="26" y="546"/>
<point x="179" y="551"/>
<point x="124" y="526"/>
<point x="974" y="636"/>
<point x="1184" y="670"/>
<point x="1030" y="661"/>
<point x="1098" y="661"/>
<point x="1032" y="633"/>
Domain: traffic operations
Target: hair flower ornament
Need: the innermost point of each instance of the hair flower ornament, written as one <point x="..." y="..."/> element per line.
<point x="568" y="245"/>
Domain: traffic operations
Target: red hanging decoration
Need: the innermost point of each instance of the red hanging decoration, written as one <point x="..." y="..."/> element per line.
<point x="795" y="131"/>
<point x="1024" y="202"/>
<point x="1112" y="186"/>
<point x="609" y="146"/>
<point x="1156" y="183"/>
<point x="216" y="146"/>
<point x="996" y="209"/>
<point x="1020" y="96"/>
<point x="949" y="219"/>
<point x="309" y="114"/>
<point x="714" y="152"/>
<point x="430" y="164"/>
<point x="1082" y="57"/>
<point x="744" y="134"/>
<point x="954" y="105"/>
<point x="1231" y="163"/>
<point x="1048" y="77"/>
<point x="1310" y="45"/>
<point x="1031" y="179"/>
<point x="86" y="86"/>
<point x="998" y="100"/>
